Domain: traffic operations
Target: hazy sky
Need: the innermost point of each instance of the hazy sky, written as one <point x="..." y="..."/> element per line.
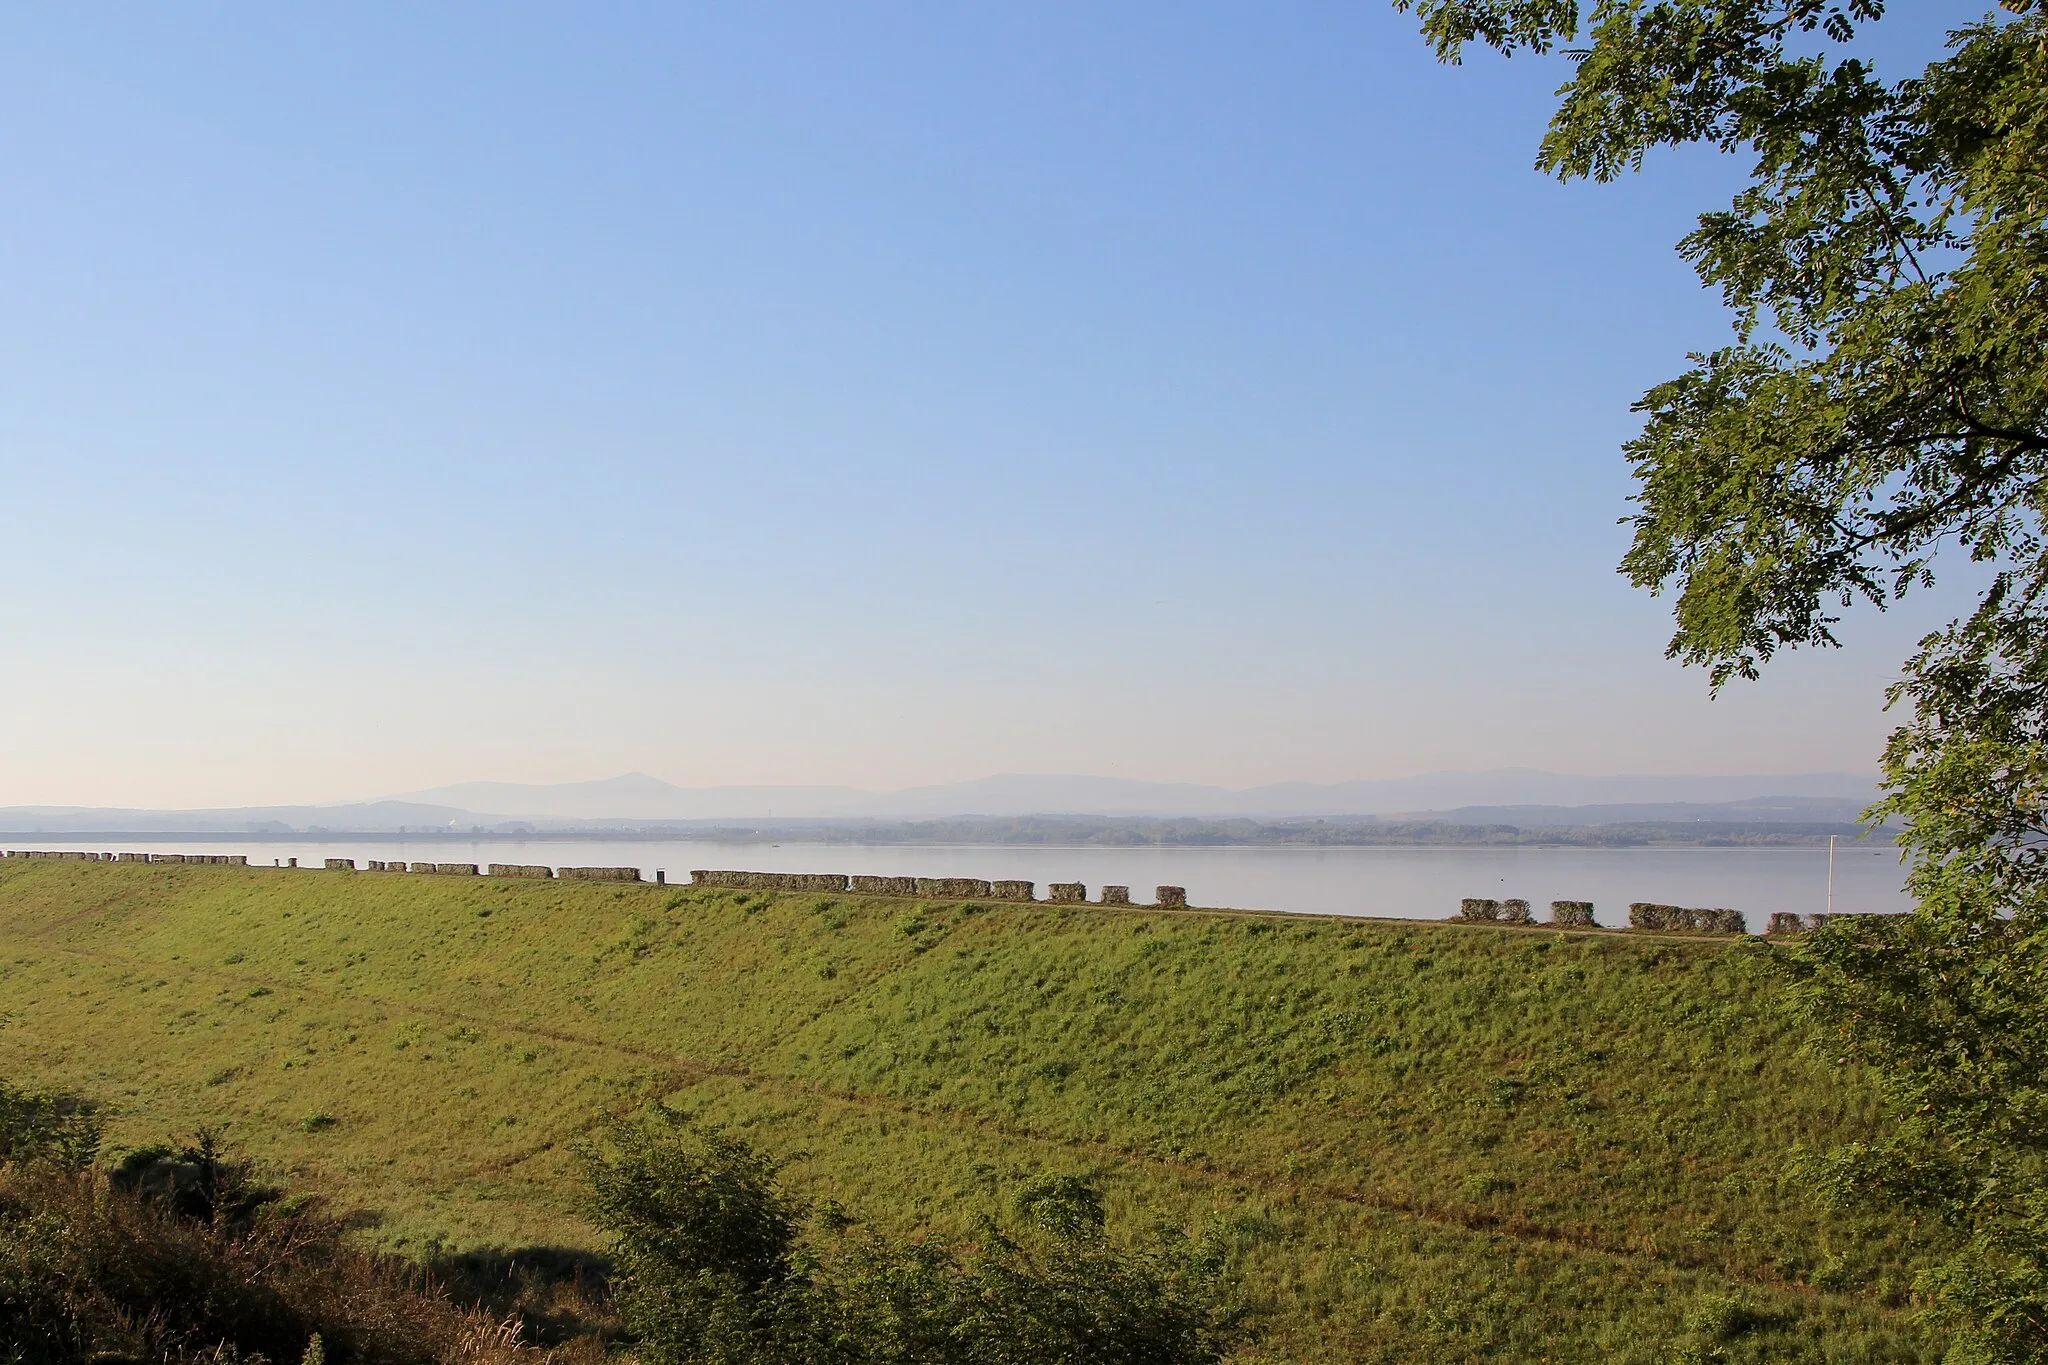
<point x="398" y="394"/>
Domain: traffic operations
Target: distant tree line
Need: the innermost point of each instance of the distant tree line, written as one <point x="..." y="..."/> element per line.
<point x="1068" y="831"/>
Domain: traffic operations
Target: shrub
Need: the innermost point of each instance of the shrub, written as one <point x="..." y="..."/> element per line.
<point x="177" y="1255"/>
<point x="716" y="1266"/>
<point x="704" y="1241"/>
<point x="37" y="1126"/>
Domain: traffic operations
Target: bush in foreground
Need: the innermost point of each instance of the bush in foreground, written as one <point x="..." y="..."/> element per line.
<point x="177" y="1255"/>
<point x="720" y="1266"/>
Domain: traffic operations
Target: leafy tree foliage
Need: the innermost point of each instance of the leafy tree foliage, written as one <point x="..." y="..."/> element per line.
<point x="718" y="1265"/>
<point x="1884" y="397"/>
<point x="706" y="1244"/>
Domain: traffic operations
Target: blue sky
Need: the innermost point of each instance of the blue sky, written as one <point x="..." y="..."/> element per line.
<point x="393" y="395"/>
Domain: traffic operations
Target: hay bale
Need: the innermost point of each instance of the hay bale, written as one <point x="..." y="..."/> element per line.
<point x="520" y="870"/>
<point x="447" y="869"/>
<point x="1572" y="914"/>
<point x="952" y="888"/>
<point x="768" y="881"/>
<point x="812" y="881"/>
<point x="341" y="864"/>
<point x="1066" y="891"/>
<point x="1012" y="891"/>
<point x="1170" y="897"/>
<point x="1816" y="921"/>
<point x="1477" y="910"/>
<point x="600" y="874"/>
<point x="1516" y="912"/>
<point x="1116" y="895"/>
<point x="133" y="857"/>
<point x="1650" y="915"/>
<point x="883" y="886"/>
<point x="1722" y="921"/>
<point x="1677" y="919"/>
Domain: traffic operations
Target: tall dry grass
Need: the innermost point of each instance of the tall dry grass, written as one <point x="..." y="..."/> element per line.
<point x="96" y="1265"/>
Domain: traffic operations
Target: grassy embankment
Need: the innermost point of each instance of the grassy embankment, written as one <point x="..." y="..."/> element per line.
<point x="1432" y="1141"/>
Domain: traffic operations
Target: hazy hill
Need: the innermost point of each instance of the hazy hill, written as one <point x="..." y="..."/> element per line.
<point x="357" y="817"/>
<point x="637" y="799"/>
<point x="638" y="796"/>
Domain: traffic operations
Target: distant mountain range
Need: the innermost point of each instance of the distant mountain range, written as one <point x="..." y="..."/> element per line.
<point x="1504" y="796"/>
<point x="365" y="817"/>
<point x="640" y="797"/>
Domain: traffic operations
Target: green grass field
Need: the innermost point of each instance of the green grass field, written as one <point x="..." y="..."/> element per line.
<point x="1430" y="1142"/>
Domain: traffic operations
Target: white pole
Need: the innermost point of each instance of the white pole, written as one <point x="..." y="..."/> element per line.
<point x="1831" y="874"/>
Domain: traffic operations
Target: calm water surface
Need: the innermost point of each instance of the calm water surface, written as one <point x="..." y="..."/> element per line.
<point x="1414" y="883"/>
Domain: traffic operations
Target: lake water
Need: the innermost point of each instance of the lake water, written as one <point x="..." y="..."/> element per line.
<point x="1409" y="883"/>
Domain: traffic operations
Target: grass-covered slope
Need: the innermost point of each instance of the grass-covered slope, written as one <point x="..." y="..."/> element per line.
<point x="1432" y="1141"/>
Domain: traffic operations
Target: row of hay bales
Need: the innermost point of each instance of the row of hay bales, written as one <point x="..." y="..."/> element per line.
<point x="1669" y="919"/>
<point x="592" y="874"/>
<point x="1649" y="915"/>
<point x="574" y="874"/>
<point x="1563" y="914"/>
<point x="1678" y="919"/>
<point x="935" y="888"/>
<point x="213" y="859"/>
<point x="1783" y="923"/>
